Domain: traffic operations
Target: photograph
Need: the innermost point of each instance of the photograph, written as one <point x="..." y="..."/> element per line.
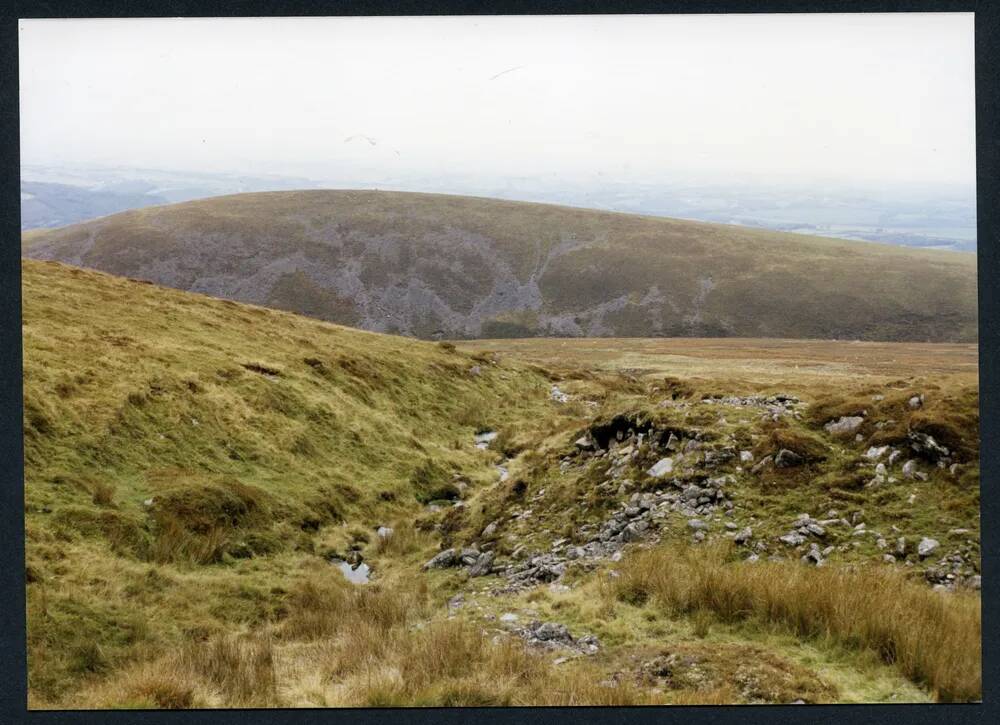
<point x="446" y="361"/>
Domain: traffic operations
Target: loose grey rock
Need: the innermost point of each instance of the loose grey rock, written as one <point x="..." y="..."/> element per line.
<point x="442" y="560"/>
<point x="743" y="536"/>
<point x="631" y="533"/>
<point x="483" y="564"/>
<point x="845" y="425"/>
<point x="926" y="547"/>
<point x="792" y="539"/>
<point x="876" y="452"/>
<point x="815" y="529"/>
<point x="469" y="556"/>
<point x="661" y="468"/>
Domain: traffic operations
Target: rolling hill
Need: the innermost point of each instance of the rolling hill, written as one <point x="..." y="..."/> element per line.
<point x="432" y="266"/>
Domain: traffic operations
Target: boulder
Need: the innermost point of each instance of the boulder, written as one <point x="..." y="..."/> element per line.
<point x="815" y="529"/>
<point x="483" y="565"/>
<point x="469" y="556"/>
<point x="911" y="472"/>
<point x="845" y="425"/>
<point x="632" y="532"/>
<point x="548" y="631"/>
<point x="876" y="452"/>
<point x="792" y="539"/>
<point x="926" y="547"/>
<point x="743" y="536"/>
<point x="661" y="468"/>
<point x="442" y="560"/>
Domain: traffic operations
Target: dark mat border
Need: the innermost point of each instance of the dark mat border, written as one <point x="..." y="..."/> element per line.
<point x="12" y="634"/>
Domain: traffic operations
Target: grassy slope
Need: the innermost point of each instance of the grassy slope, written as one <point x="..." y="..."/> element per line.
<point x="145" y="390"/>
<point x="421" y="263"/>
<point x="269" y="441"/>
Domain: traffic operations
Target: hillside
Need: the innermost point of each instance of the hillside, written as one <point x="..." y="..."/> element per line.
<point x="201" y="474"/>
<point x="432" y="266"/>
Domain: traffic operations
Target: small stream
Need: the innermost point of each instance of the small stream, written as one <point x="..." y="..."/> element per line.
<point x="484" y="439"/>
<point x="355" y="574"/>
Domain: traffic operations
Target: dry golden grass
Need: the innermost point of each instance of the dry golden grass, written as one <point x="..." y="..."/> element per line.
<point x="933" y="637"/>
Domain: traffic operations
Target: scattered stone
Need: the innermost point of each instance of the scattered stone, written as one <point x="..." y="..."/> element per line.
<point x="508" y="617"/>
<point x="490" y="530"/>
<point x="746" y="457"/>
<point x="916" y="401"/>
<point x="384" y="532"/>
<point x="697" y="524"/>
<point x="584" y="443"/>
<point x="743" y="536"/>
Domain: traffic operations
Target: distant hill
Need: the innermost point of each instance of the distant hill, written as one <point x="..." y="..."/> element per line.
<point x="433" y="265"/>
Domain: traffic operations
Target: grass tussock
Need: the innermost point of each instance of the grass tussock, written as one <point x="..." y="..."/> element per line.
<point x="933" y="638"/>
<point x="405" y="539"/>
<point x="325" y="606"/>
<point x="453" y="663"/>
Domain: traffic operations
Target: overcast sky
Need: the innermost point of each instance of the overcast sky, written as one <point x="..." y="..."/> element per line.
<point x="880" y="98"/>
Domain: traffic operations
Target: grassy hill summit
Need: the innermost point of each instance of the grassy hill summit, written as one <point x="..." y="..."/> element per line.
<point x="228" y="505"/>
<point x="434" y="265"/>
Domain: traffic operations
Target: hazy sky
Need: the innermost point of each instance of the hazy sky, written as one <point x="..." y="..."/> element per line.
<point x="858" y="98"/>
